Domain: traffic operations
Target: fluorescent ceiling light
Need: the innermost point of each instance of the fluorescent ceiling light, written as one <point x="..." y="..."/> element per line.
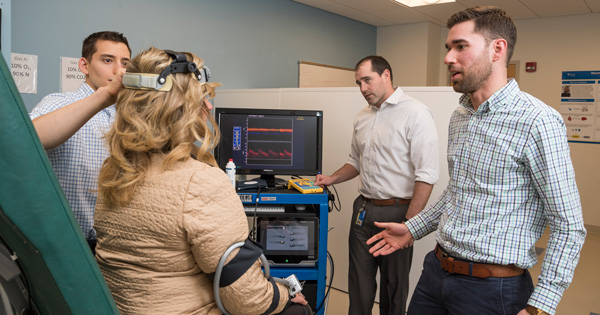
<point x="418" y="3"/>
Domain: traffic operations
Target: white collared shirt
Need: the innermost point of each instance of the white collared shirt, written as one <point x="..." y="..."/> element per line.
<point x="393" y="146"/>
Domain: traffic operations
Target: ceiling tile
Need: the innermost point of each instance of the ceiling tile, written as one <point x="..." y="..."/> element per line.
<point x="358" y="15"/>
<point x="404" y="17"/>
<point x="515" y="8"/>
<point x="317" y="3"/>
<point x="594" y="5"/>
<point x="544" y="8"/>
<point x="374" y="5"/>
<point x="441" y="12"/>
<point x="386" y="12"/>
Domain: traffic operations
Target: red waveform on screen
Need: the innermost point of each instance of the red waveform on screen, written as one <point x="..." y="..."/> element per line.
<point x="269" y="154"/>
<point x="269" y="130"/>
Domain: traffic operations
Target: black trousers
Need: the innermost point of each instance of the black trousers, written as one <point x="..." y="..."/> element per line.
<point x="92" y="244"/>
<point x="394" y="268"/>
<point x="296" y="309"/>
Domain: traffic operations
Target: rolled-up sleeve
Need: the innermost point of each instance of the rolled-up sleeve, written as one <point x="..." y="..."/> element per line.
<point x="424" y="149"/>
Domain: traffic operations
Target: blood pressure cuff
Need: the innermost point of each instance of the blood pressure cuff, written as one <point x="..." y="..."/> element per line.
<point x="275" y="301"/>
<point x="244" y="259"/>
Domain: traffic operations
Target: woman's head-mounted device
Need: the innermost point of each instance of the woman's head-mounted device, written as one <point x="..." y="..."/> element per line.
<point x="164" y="80"/>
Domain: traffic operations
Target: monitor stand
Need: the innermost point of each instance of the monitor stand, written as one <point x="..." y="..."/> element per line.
<point x="273" y="182"/>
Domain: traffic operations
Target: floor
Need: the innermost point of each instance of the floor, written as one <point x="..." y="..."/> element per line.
<point x="581" y="298"/>
<point x="338" y="303"/>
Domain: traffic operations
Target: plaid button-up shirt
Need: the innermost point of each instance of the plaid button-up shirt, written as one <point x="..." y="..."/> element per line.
<point x="510" y="175"/>
<point x="77" y="161"/>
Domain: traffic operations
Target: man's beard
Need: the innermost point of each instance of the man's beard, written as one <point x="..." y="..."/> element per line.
<point x="473" y="80"/>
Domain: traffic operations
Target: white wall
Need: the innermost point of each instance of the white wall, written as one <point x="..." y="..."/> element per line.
<point x="557" y="44"/>
<point x="405" y="47"/>
<point x="434" y="55"/>
<point x="339" y="106"/>
<point x="413" y="52"/>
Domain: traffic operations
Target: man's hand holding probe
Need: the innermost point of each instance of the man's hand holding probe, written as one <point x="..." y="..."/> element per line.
<point x="395" y="236"/>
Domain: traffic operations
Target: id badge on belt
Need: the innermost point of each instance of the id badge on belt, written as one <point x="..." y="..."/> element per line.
<point x="361" y="214"/>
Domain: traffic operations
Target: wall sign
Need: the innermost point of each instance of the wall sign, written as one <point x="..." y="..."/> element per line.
<point x="580" y="105"/>
<point x="24" y="72"/>
<point x="71" y="77"/>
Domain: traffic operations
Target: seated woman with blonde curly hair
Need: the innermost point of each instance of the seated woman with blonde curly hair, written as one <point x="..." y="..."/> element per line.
<point x="165" y="214"/>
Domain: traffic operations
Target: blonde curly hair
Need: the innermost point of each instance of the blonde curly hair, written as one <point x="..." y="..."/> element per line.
<point x="150" y="122"/>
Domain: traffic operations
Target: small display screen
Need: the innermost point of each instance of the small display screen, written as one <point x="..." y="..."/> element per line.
<point x="287" y="237"/>
<point x="289" y="240"/>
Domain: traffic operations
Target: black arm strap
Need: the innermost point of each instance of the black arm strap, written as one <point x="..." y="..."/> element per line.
<point x="244" y="259"/>
<point x="275" y="301"/>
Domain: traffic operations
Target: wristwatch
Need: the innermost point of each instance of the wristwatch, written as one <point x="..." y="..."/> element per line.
<point x="535" y="311"/>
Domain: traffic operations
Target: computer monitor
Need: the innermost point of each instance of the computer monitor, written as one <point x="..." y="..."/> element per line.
<point x="270" y="142"/>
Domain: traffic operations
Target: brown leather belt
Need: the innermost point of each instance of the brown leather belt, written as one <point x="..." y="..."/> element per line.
<point x="479" y="270"/>
<point x="388" y="202"/>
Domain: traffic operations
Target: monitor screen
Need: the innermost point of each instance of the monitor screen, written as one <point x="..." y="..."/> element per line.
<point x="290" y="241"/>
<point x="269" y="142"/>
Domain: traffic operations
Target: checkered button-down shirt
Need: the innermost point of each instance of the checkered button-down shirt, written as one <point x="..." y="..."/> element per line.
<point x="77" y="161"/>
<point x="510" y="176"/>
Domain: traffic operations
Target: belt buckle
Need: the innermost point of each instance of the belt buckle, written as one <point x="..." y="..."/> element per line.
<point x="447" y="262"/>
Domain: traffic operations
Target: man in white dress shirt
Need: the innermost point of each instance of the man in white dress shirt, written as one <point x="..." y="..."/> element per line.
<point x="395" y="154"/>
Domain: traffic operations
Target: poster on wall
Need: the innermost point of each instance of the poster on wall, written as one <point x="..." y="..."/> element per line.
<point x="24" y="72"/>
<point x="580" y="105"/>
<point x="71" y="77"/>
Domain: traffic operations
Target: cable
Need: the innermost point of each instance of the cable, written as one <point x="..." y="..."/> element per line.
<point x="332" y="198"/>
<point x="252" y="235"/>
<point x="326" y="297"/>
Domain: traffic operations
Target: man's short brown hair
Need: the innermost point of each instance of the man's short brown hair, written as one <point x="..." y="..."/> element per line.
<point x="378" y="64"/>
<point x="492" y="23"/>
<point x="89" y="44"/>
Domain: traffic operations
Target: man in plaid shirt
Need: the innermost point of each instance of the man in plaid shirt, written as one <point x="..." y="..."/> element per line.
<point x="71" y="125"/>
<point x="510" y="176"/>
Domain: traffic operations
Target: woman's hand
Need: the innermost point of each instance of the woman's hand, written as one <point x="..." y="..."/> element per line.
<point x="299" y="298"/>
